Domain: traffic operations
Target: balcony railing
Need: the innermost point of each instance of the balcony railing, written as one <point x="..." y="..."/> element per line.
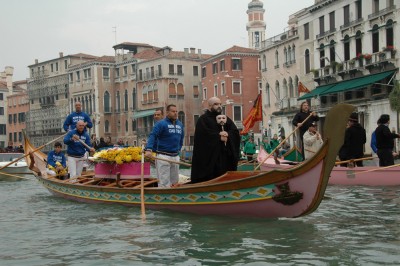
<point x="351" y="23"/>
<point x="382" y="12"/>
<point x="325" y="33"/>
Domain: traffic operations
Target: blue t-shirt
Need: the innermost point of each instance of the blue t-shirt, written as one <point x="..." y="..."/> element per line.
<point x="74" y="117"/>
<point x="54" y="157"/>
<point x="166" y="136"/>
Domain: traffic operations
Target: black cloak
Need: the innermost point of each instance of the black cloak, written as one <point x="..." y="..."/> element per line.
<point x="211" y="157"/>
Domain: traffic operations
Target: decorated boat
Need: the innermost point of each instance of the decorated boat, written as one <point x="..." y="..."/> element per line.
<point x="14" y="171"/>
<point x="294" y="192"/>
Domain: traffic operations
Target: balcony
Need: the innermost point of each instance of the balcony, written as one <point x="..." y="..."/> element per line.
<point x="382" y="12"/>
<point x="326" y="33"/>
<point x="351" y="23"/>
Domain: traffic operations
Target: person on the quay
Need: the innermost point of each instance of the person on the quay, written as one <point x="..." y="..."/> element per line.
<point x="249" y="149"/>
<point x="76" y="149"/>
<point x="385" y="141"/>
<point x="312" y="141"/>
<point x="166" y="140"/>
<point x="302" y="115"/>
<point x="74" y="117"/>
<point x="216" y="148"/>
<point x="56" y="161"/>
<point x="354" y="140"/>
<point x="158" y="115"/>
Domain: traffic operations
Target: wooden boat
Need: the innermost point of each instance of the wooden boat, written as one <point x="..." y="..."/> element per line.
<point x="16" y="169"/>
<point x="285" y="193"/>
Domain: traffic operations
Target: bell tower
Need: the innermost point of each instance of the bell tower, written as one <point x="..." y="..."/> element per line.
<point x="256" y="25"/>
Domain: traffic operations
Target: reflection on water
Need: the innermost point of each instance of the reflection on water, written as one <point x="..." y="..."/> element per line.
<point x="355" y="226"/>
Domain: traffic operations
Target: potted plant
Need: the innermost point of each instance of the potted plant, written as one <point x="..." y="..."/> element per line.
<point x="315" y="72"/>
<point x="368" y="57"/>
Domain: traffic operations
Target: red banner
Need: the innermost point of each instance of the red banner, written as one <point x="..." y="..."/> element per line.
<point x="254" y="115"/>
<point x="303" y="88"/>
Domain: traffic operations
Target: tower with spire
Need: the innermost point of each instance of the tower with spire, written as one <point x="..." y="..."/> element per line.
<point x="256" y="25"/>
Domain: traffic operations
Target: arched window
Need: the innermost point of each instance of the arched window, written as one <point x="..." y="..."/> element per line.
<point x="285" y="54"/>
<point x="375" y="38"/>
<point x="264" y="62"/>
<point x="181" y="117"/>
<point x="126" y="101"/>
<point x="358" y="43"/>
<point x="180" y="91"/>
<point x="126" y="125"/>
<point x="268" y="94"/>
<point x="291" y="90"/>
<point x="172" y="90"/>
<point x="296" y="82"/>
<point x="346" y="45"/>
<point x="107" y="106"/>
<point x="293" y="54"/>
<point x="284" y="89"/>
<point x="106" y="126"/>
<point x="155" y="91"/>
<point x="307" y="61"/>
<point x="289" y="54"/>
<point x="322" y="55"/>
<point x="144" y="94"/>
<point x="150" y="94"/>
<point x="389" y="33"/>
<point x="276" y="59"/>
<point x="332" y="53"/>
<point x="277" y="91"/>
<point x="134" y="95"/>
<point x="118" y="102"/>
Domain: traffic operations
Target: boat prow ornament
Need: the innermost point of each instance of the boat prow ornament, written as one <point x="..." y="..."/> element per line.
<point x="287" y="197"/>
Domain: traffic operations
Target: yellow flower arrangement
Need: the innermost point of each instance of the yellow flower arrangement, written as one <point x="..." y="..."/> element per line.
<point x="119" y="155"/>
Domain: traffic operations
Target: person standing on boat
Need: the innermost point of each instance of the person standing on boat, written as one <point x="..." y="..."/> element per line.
<point x="216" y="149"/>
<point x="76" y="149"/>
<point x="56" y="161"/>
<point x="249" y="149"/>
<point x="312" y="141"/>
<point x="374" y="149"/>
<point x="385" y="141"/>
<point x="166" y="139"/>
<point x="354" y="140"/>
<point x="74" y="117"/>
<point x="299" y="118"/>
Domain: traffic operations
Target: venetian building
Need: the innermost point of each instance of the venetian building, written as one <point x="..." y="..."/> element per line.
<point x="255" y="25"/>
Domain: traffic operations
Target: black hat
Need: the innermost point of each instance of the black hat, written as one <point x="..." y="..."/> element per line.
<point x="313" y="124"/>
<point x="353" y="117"/>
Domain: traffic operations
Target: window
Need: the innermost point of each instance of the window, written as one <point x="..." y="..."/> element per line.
<point x="236" y="64"/>
<point x="15" y="118"/>
<point x="133" y="68"/>
<point x="172" y="90"/>
<point x="126" y="125"/>
<point x="125" y="71"/>
<point x="1" y="96"/>
<point x="222" y="65"/>
<point x="389" y="33"/>
<point x="268" y="95"/>
<point x="215" y="68"/>
<point x="1" y="110"/>
<point x="195" y="91"/>
<point x="332" y="52"/>
<point x="52" y="67"/>
<point x="322" y="55"/>
<point x="237" y="113"/>
<point x="56" y="66"/>
<point x="107" y="107"/>
<point x="159" y="70"/>
<point x="116" y="72"/>
<point x="204" y="93"/>
<point x="106" y="73"/>
<point x="346" y="44"/>
<point x="3" y="129"/>
<point x="118" y="102"/>
<point x="358" y="9"/>
<point x="321" y="25"/>
<point x="346" y="15"/>
<point x="126" y="101"/>
<point x="15" y="136"/>
<point x="106" y="126"/>
<point x="236" y="87"/>
<point x="86" y="74"/>
<point x="180" y="69"/>
<point x="306" y="31"/>
<point x="65" y="64"/>
<point x="181" y="117"/>
<point x="215" y="90"/>
<point x="195" y="71"/>
<point x="9" y="119"/>
<point x="358" y="43"/>
<point x="223" y="90"/>
<point x="375" y="6"/>
<point x="203" y="72"/>
<point x="332" y="21"/>
<point x="152" y="72"/>
<point x="171" y="69"/>
<point x="140" y="74"/>
<point x="71" y="77"/>
<point x="78" y="76"/>
<point x="375" y="39"/>
<point x="10" y="136"/>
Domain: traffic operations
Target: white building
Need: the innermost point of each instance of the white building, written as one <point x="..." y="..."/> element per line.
<point x="344" y="51"/>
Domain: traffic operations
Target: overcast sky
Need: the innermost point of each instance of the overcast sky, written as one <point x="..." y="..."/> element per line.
<point x="40" y="29"/>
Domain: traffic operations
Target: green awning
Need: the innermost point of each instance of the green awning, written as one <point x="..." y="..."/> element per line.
<point x="351" y="84"/>
<point x="139" y="114"/>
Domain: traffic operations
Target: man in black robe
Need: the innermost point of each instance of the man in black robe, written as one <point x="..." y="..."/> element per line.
<point x="216" y="146"/>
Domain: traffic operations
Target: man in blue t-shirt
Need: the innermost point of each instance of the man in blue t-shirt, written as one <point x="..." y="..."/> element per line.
<point x="166" y="139"/>
<point x="74" y="117"/>
<point x="56" y="162"/>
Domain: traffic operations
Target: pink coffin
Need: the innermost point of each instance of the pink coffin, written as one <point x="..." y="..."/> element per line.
<point x="127" y="170"/>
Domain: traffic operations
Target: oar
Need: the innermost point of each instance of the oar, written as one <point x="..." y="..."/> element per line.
<point x="170" y="161"/>
<point x="283" y="141"/>
<point x="376" y="169"/>
<point x="17" y="176"/>
<point x="84" y="144"/>
<point x="35" y="150"/>
<point x="355" y="160"/>
<point x="142" y="184"/>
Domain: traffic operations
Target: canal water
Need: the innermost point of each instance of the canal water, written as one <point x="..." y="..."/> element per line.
<point x="352" y="226"/>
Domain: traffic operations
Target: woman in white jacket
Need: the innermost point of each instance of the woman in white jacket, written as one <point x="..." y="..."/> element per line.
<point x="312" y="141"/>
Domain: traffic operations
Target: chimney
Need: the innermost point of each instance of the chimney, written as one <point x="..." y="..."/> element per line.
<point x="192" y="50"/>
<point x="199" y="52"/>
<point x="61" y="54"/>
<point x="36" y="61"/>
<point x="186" y="52"/>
